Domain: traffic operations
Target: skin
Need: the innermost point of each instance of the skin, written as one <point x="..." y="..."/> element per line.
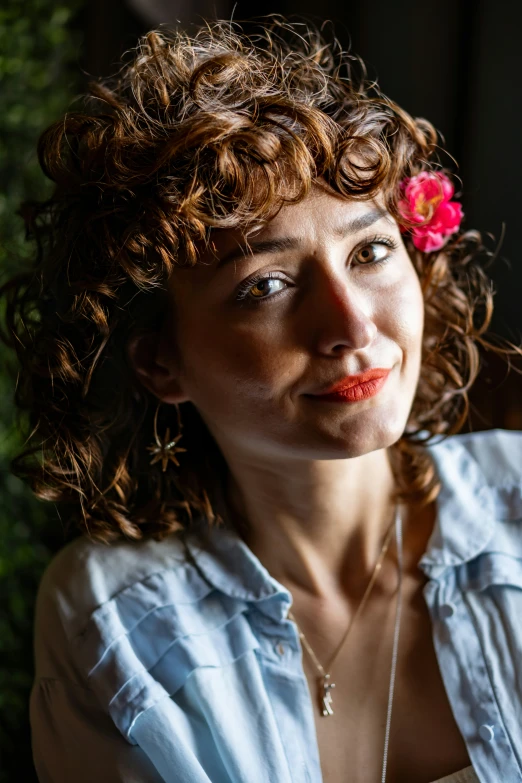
<point x="312" y="480"/>
<point x="247" y="368"/>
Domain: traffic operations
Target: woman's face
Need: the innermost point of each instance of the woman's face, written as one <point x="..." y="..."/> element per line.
<point x="329" y="290"/>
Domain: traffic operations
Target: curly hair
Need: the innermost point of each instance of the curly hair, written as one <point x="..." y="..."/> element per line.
<point x="193" y="134"/>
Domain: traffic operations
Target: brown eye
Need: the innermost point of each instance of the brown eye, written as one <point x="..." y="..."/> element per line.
<point x="259" y="289"/>
<point x="263" y="287"/>
<point x="374" y="253"/>
<point x="366" y="254"/>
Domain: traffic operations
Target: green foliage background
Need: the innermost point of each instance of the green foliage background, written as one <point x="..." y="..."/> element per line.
<point x="39" y="75"/>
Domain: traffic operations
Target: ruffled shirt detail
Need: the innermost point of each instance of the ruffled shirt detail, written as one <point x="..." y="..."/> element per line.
<point x="197" y="663"/>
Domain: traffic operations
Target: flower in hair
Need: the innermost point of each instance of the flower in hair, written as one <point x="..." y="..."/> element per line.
<point x="426" y="200"/>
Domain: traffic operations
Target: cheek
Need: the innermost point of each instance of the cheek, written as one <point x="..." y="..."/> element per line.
<point x="404" y="306"/>
<point x="223" y="362"/>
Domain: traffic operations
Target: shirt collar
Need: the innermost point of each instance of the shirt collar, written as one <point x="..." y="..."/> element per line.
<point x="229" y="564"/>
<point x="465" y="508"/>
<point x="465" y="524"/>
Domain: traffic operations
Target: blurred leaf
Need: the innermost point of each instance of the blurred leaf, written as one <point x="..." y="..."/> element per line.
<point x="39" y="75"/>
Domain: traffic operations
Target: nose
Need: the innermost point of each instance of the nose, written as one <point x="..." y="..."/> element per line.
<point x="343" y="316"/>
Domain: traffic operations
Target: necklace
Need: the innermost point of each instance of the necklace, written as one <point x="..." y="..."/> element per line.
<point x="325" y="686"/>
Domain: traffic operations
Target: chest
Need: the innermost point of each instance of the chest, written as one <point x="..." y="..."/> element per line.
<point x="351" y="741"/>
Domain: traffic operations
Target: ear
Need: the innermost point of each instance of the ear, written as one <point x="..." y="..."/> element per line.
<point x="155" y="367"/>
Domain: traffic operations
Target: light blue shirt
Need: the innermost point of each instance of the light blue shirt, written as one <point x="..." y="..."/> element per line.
<point x="156" y="662"/>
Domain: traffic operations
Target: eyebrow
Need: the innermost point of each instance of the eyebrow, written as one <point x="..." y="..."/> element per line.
<point x="271" y="246"/>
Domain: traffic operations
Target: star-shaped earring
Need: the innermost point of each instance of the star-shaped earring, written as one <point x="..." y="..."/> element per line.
<point x="165" y="449"/>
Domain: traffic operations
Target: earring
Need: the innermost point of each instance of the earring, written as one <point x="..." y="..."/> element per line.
<point x="165" y="449"/>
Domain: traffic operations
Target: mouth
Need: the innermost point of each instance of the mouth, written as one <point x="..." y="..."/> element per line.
<point x="354" y="388"/>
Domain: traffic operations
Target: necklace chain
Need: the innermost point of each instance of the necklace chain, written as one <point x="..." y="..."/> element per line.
<point x="373" y="578"/>
<point x="326" y="685"/>
<point x="395" y="650"/>
<point x="378" y="565"/>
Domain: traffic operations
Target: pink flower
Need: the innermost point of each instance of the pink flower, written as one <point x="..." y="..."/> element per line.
<point x="426" y="199"/>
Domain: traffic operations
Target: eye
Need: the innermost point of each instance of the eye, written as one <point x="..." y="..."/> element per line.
<point x="373" y="252"/>
<point x="258" y="288"/>
<point x="265" y="286"/>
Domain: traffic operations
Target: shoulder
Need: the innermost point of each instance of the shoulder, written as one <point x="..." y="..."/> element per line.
<point x="84" y="576"/>
<point x="498" y="454"/>
<point x="479" y="505"/>
<point x="483" y="465"/>
<point x="131" y="622"/>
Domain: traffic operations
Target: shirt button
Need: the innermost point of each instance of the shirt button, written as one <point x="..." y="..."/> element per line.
<point x="487" y="732"/>
<point x="280" y="648"/>
<point x="447" y="611"/>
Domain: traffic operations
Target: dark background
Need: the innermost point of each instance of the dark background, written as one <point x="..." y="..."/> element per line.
<point x="456" y="62"/>
<point x="459" y="64"/>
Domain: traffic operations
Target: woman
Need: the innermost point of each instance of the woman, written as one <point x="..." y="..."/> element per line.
<point x="253" y="324"/>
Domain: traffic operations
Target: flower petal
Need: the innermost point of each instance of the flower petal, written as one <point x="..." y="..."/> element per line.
<point x="425" y="200"/>
<point x="447" y="217"/>
<point x="432" y="184"/>
<point x="429" y="241"/>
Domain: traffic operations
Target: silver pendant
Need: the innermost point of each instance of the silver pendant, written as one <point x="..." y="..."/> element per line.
<point x="326" y="697"/>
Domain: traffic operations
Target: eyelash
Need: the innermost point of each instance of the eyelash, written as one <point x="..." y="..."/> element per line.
<point x="242" y="294"/>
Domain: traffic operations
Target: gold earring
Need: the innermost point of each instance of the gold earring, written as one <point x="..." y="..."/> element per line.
<point x="165" y="449"/>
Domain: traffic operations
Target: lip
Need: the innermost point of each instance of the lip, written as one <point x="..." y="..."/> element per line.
<point x="369" y="377"/>
<point x="354" y="388"/>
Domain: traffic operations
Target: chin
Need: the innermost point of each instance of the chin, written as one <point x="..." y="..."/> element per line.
<point x="356" y="440"/>
<point x="365" y="443"/>
<point x="379" y="429"/>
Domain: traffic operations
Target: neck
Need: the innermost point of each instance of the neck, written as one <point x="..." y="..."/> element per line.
<point x="316" y="526"/>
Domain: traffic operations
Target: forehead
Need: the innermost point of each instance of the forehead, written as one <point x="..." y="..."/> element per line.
<point x="320" y="215"/>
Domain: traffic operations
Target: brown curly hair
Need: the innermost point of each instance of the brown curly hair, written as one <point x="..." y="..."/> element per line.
<point x="192" y="135"/>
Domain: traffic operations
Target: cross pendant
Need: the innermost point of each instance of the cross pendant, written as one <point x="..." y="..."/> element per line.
<point x="325" y="697"/>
